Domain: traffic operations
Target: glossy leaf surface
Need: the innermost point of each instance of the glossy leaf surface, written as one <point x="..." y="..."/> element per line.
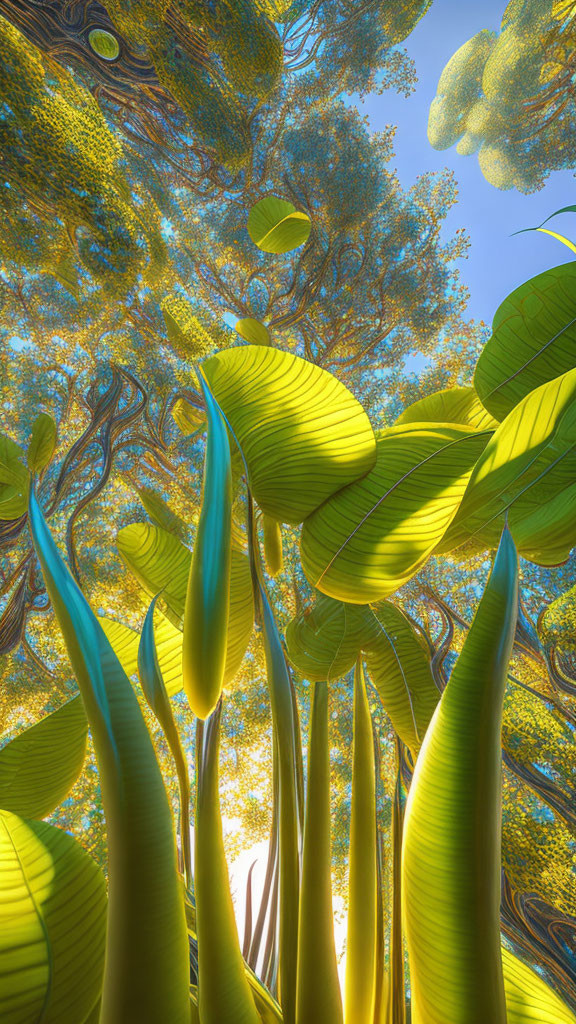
<point x="302" y="433"/>
<point x="276" y="226"/>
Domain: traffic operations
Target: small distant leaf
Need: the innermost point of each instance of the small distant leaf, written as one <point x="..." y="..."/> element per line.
<point x="53" y="915"/>
<point x="253" y="331"/>
<point x="452" y="405"/>
<point x="39" y="766"/>
<point x="557" y="624"/>
<point x="188" y="418"/>
<point x="14" y="480"/>
<point x="104" y="44"/>
<point x="275" y="225"/>
<point x="160" y="512"/>
<point x="42" y="443"/>
<point x="272" y="545"/>
<point x="188" y="337"/>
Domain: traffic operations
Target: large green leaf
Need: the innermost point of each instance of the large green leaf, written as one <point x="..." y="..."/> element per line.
<point x="147" y="971"/>
<point x="452" y="405"/>
<point x="161" y="564"/>
<point x="324" y="643"/>
<point x="451" y="859"/>
<point x="529" y="1000"/>
<point x="533" y="340"/>
<point x="527" y="471"/>
<point x="224" y="992"/>
<point x="302" y="433"/>
<point x="207" y="604"/>
<point x="52" y="925"/>
<point x="318" y="990"/>
<point x="360" y="985"/>
<point x="371" y="537"/>
<point x="39" y="766"/>
<point x="276" y="226"/>
<point x="42" y="443"/>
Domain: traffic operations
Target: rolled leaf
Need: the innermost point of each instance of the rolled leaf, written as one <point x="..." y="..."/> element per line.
<point x="526" y="473"/>
<point x="206" y="609"/>
<point x="156" y="694"/>
<point x="39" y="766"/>
<point x="374" y="535"/>
<point x="147" y="971"/>
<point x="224" y="992"/>
<point x="42" y="443"/>
<point x="286" y="732"/>
<point x="533" y="340"/>
<point x="451" y="857"/>
<point x="302" y="433"/>
<point x="318" y="989"/>
<point x="272" y="545"/>
<point x="452" y="405"/>
<point x="276" y="226"/>
<point x="52" y="924"/>
<point x="360" y="982"/>
<point x="161" y="564"/>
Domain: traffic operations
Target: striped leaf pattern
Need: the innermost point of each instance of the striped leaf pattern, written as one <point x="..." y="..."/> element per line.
<point x="324" y="643"/>
<point x="529" y="1000"/>
<point x="451" y="858"/>
<point x="533" y="340"/>
<point x="39" y="766"/>
<point x="276" y="226"/>
<point x="399" y="667"/>
<point x="527" y="471"/>
<point x="52" y="925"/>
<point x="452" y="405"/>
<point x="374" y="535"/>
<point x="302" y="433"/>
<point x="161" y="564"/>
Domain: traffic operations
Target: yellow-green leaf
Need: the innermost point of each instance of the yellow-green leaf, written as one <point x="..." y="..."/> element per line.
<point x="253" y="331"/>
<point x="527" y="472"/>
<point x="161" y="564"/>
<point x="452" y="405"/>
<point x="529" y="1000"/>
<point x="160" y="512"/>
<point x="14" y="480"/>
<point x="147" y="969"/>
<point x="39" y="766"/>
<point x="557" y="624"/>
<point x="533" y="340"/>
<point x="104" y="44"/>
<point x="207" y="604"/>
<point x="302" y="433"/>
<point x="451" y="858"/>
<point x="188" y="337"/>
<point x="188" y="418"/>
<point x="52" y="925"/>
<point x="276" y="226"/>
<point x="317" y="988"/>
<point x="272" y="545"/>
<point x="371" y="537"/>
<point x="42" y="443"/>
<point x="325" y="642"/>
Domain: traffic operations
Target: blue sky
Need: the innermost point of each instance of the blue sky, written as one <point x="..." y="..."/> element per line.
<point x="496" y="262"/>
